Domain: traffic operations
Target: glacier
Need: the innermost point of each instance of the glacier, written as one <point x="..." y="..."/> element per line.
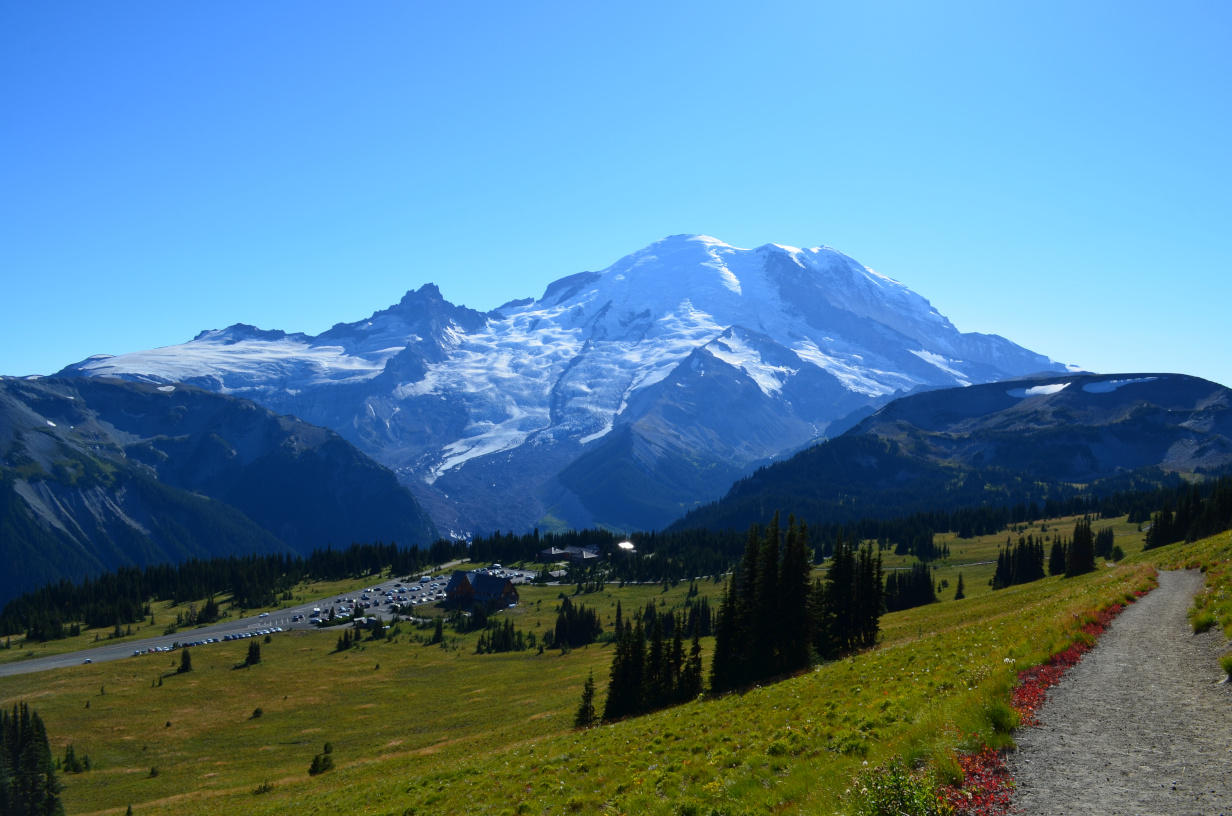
<point x="486" y="416"/>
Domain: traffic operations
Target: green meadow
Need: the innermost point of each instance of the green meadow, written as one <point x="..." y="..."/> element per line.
<point x="422" y="729"/>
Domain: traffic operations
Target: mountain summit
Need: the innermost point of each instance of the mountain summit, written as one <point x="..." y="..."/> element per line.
<point x="622" y="397"/>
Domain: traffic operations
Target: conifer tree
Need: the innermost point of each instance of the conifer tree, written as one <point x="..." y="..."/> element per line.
<point x="1081" y="555"/>
<point x="766" y="603"/>
<point x="617" y="704"/>
<point x="691" y="675"/>
<point x="1056" y="558"/>
<point x="28" y="783"/>
<point x="794" y="622"/>
<point x="959" y="591"/>
<point x="675" y="668"/>
<point x="585" y="716"/>
<point x="840" y="602"/>
<point x="722" y="663"/>
<point x="870" y="597"/>
<point x="655" y="690"/>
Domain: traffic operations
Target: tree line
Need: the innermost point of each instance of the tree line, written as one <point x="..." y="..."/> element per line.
<point x="1190" y="513"/>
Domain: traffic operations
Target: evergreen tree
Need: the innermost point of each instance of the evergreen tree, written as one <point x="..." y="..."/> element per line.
<point x="675" y="667"/>
<point x="839" y="619"/>
<point x="959" y="591"/>
<point x="28" y="783"/>
<point x="906" y="589"/>
<point x="870" y="597"/>
<point x="1019" y="564"/>
<point x="576" y="626"/>
<point x="1057" y="558"/>
<point x="1105" y="540"/>
<point x="794" y="622"/>
<point x="585" y="716"/>
<point x="1080" y="558"/>
<point x="766" y="605"/>
<point x="722" y="664"/>
<point x="656" y="685"/>
<point x="747" y="617"/>
<point x="254" y="654"/>
<point x="209" y="613"/>
<point x="185" y="662"/>
<point x="618" y="703"/>
<point x="1163" y="530"/>
<point x="691" y="676"/>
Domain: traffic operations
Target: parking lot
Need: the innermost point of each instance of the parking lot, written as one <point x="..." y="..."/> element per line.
<point x="397" y="596"/>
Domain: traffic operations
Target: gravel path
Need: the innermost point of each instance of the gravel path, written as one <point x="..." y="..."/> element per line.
<point x="1140" y="726"/>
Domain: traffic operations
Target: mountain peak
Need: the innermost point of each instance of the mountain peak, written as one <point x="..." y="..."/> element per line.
<point x="429" y="291"/>
<point x="471" y="406"/>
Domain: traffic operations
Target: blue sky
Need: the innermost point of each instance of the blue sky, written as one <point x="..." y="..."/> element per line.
<point x="1057" y="173"/>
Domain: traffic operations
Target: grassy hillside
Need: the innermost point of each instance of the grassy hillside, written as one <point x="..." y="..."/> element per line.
<point x="426" y="729"/>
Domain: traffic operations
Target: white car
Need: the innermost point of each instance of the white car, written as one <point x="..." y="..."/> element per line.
<point x="263" y="615"/>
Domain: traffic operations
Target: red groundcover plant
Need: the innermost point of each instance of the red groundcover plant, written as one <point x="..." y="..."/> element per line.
<point x="1033" y="683"/>
<point x="987" y="785"/>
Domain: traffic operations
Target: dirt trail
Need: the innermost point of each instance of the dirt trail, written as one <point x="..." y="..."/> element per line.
<point x="1140" y="726"/>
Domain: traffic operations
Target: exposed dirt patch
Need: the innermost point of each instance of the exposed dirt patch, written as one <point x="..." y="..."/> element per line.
<point x="1141" y="725"/>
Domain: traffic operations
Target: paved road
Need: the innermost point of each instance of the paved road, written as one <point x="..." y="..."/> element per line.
<point x="282" y="617"/>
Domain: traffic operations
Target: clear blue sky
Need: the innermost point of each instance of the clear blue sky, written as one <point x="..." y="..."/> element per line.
<point x="1059" y="173"/>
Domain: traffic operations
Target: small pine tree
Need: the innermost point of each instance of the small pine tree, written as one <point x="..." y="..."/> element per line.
<point x="959" y="592"/>
<point x="320" y="764"/>
<point x="585" y="717"/>
<point x="74" y="764"/>
<point x="185" y="662"/>
<point x="254" y="654"/>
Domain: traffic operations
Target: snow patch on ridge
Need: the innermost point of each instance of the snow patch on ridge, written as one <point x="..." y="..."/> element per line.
<point x="235" y="364"/>
<point x="943" y="363"/>
<point x="1037" y="390"/>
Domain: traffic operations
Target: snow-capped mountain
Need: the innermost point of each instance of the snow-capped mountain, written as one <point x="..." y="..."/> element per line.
<point x="622" y="397"/>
